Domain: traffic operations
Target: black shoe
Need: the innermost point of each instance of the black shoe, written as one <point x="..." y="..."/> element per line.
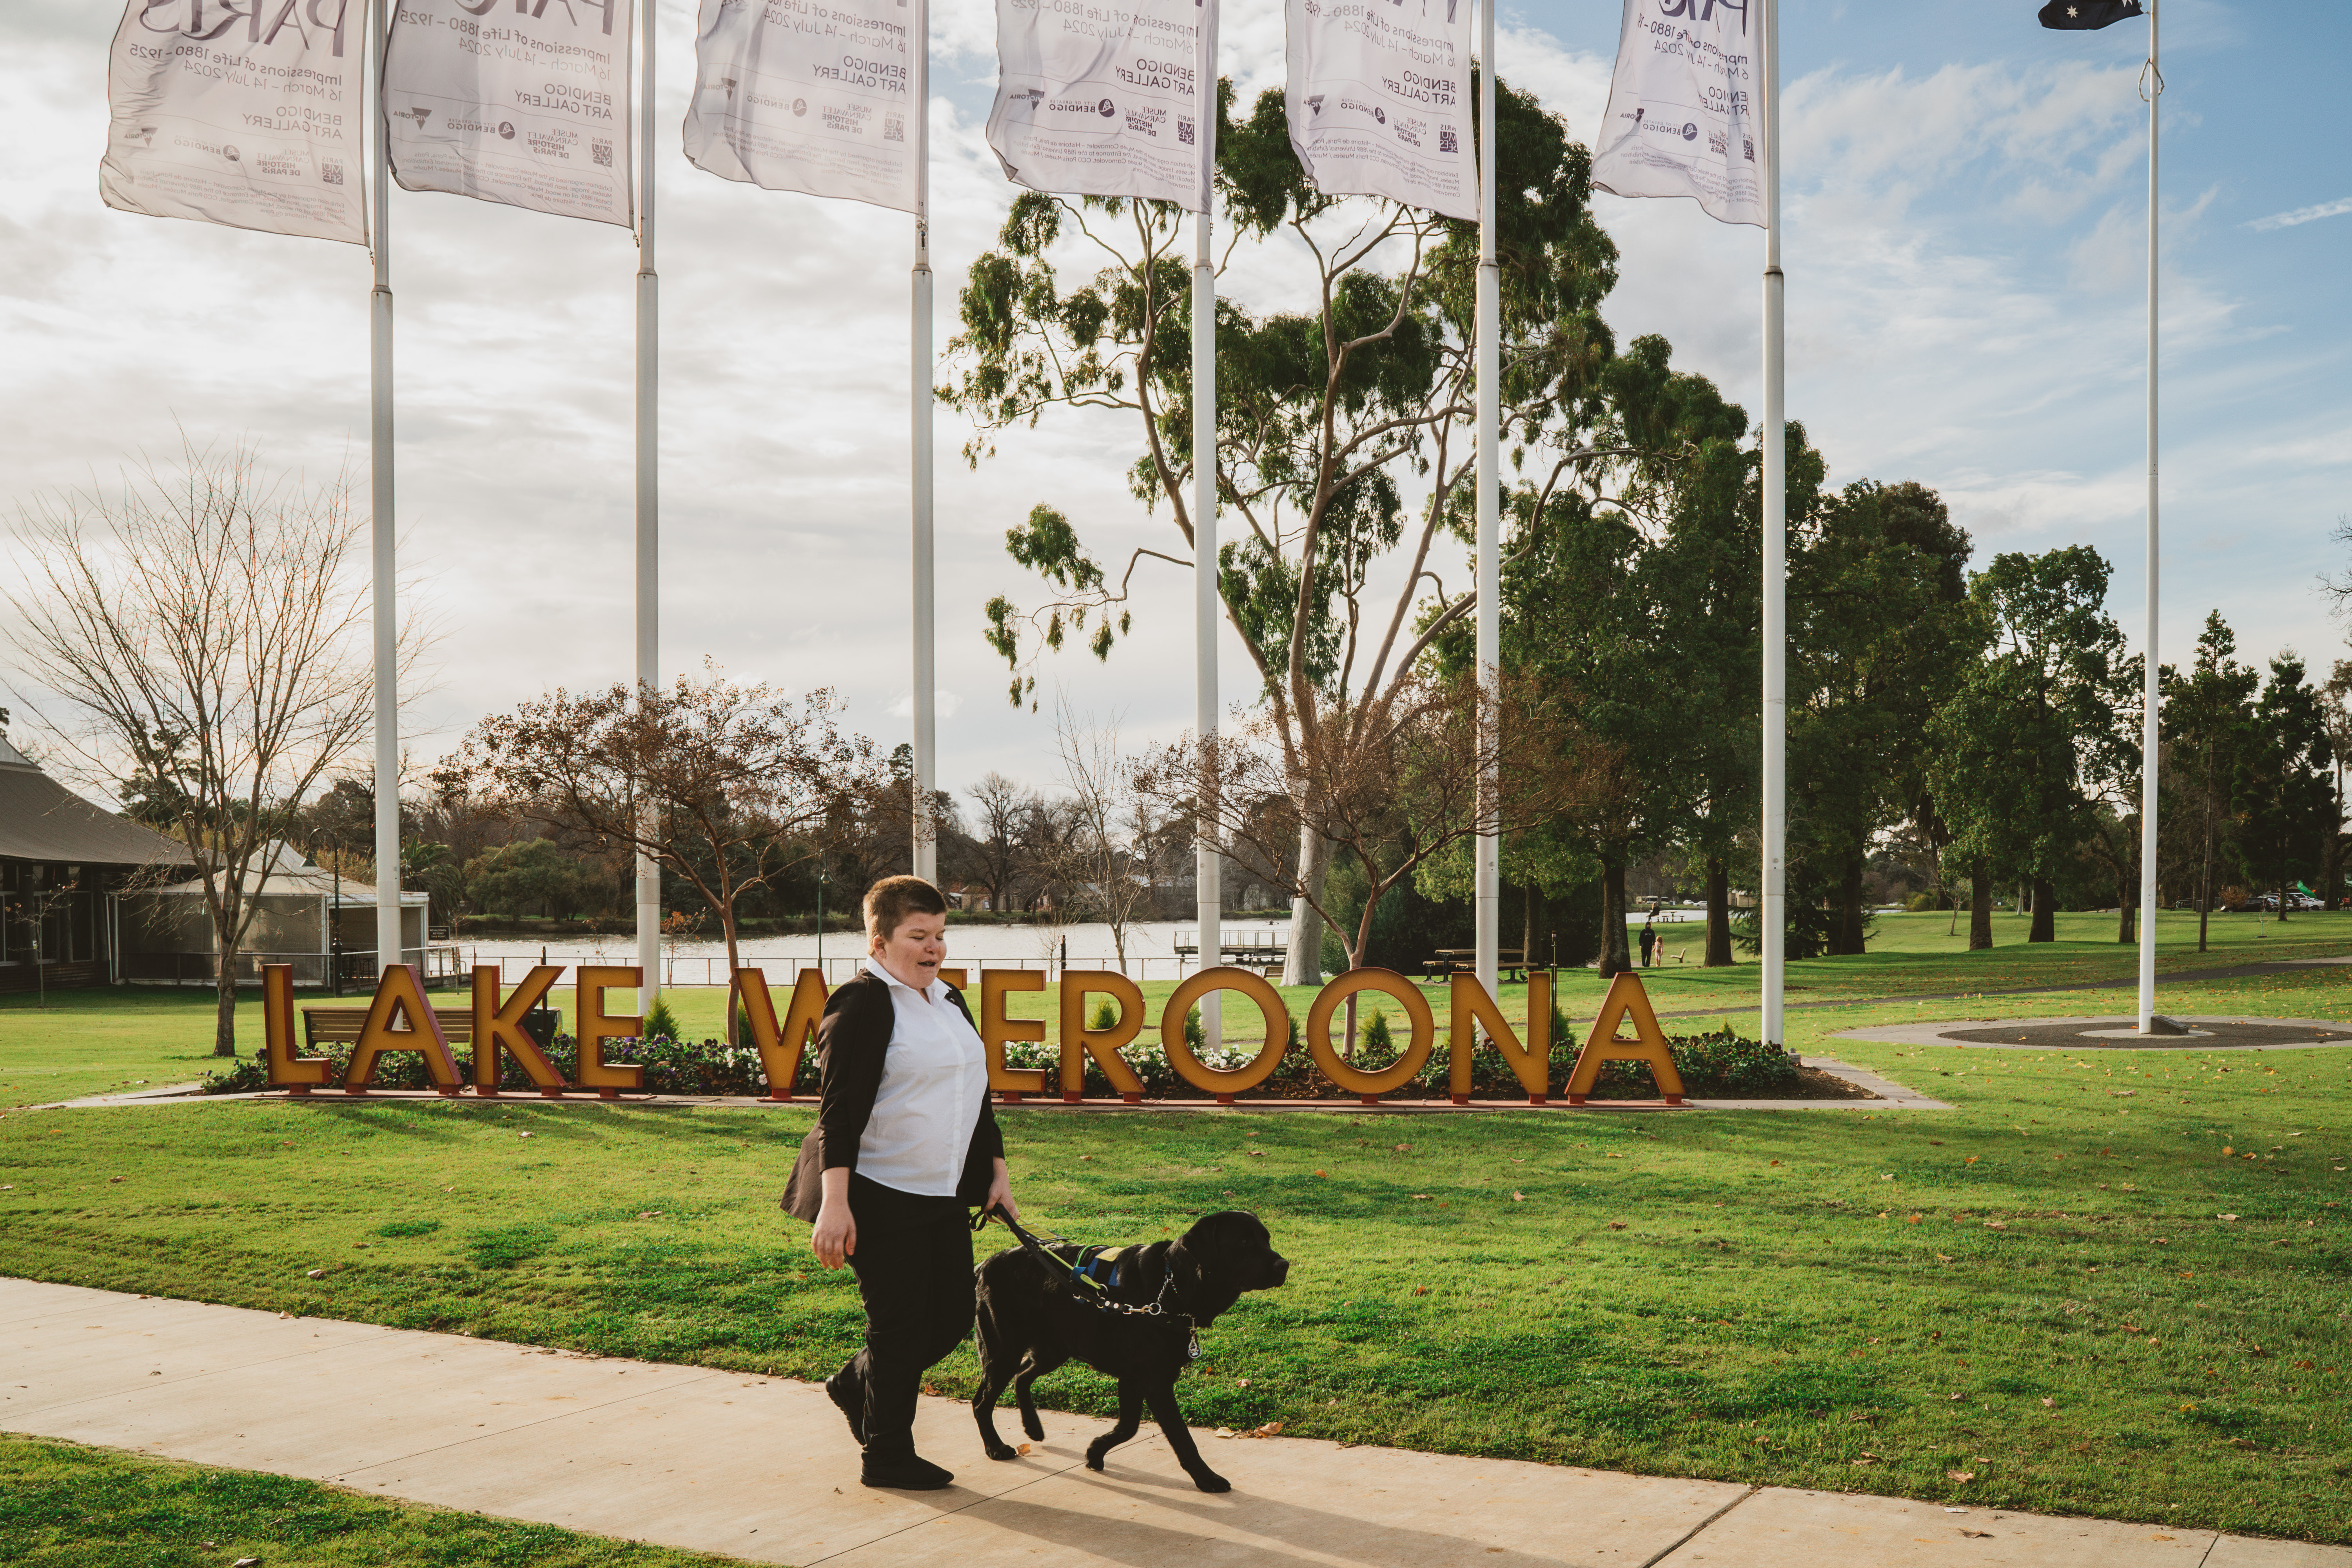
<point x="907" y="1472"/>
<point x="850" y="1401"/>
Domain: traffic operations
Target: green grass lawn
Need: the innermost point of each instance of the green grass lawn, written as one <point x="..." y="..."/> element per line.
<point x="96" y="1042"/>
<point x="65" y="1506"/>
<point x="2067" y="1321"/>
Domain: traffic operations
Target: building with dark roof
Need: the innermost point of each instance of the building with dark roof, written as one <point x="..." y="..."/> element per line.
<point x="63" y="862"/>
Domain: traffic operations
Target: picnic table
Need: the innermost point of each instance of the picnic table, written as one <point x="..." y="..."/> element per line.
<point x="1511" y="963"/>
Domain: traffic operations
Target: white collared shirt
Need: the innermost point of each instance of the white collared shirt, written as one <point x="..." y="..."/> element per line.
<point x="934" y="1082"/>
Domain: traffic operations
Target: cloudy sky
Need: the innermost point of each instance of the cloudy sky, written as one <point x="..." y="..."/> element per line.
<point x="1966" y="199"/>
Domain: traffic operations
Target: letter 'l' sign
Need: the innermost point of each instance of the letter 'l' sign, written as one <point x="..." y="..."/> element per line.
<point x="296" y="1075"/>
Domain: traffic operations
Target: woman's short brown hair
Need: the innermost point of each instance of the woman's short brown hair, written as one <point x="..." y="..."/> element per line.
<point x="891" y="900"/>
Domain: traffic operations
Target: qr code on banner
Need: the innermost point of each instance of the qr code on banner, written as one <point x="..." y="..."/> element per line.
<point x="603" y="153"/>
<point x="1184" y="131"/>
<point x="331" y="171"/>
<point x="1446" y="142"/>
<point x="894" y="128"/>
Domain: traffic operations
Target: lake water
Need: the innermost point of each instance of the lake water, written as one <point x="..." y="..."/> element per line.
<point x="1150" y="949"/>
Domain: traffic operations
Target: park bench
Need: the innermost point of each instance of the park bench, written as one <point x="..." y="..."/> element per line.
<point x="1511" y="963"/>
<point x="341" y="1026"/>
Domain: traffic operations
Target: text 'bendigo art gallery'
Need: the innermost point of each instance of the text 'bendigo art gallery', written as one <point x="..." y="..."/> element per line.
<point x="400" y="1020"/>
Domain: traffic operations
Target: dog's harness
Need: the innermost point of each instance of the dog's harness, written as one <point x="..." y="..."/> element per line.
<point x="1095" y="1274"/>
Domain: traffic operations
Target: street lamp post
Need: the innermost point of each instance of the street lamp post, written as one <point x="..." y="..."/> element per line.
<point x="820" y="919"/>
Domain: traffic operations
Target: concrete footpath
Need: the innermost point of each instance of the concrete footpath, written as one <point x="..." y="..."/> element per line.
<point x="761" y="1467"/>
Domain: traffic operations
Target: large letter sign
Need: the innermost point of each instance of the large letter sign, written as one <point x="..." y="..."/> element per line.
<point x="1380" y="100"/>
<point x="526" y="103"/>
<point x="399" y="1019"/>
<point x="247" y="116"/>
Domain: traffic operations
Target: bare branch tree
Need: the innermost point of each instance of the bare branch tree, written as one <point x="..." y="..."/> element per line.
<point x="210" y="622"/>
<point x="1095" y="858"/>
<point x="743" y="783"/>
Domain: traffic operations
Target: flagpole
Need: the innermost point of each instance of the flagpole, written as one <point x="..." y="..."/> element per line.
<point x="1772" y="915"/>
<point x="648" y="487"/>
<point x="1207" y="598"/>
<point x="389" y="947"/>
<point x="927" y="844"/>
<point x="2149" y="717"/>
<point x="1488" y="863"/>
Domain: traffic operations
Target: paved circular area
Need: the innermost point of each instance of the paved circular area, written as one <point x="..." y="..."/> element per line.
<point x="2114" y="1034"/>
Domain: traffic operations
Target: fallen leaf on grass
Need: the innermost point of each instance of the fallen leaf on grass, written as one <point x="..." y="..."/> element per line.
<point x="1421" y="1289"/>
<point x="2049" y="1404"/>
<point x="1416" y="1195"/>
<point x="1994" y="1224"/>
<point x="1518" y="1197"/>
<point x="316" y="1274"/>
<point x="1959" y="1475"/>
<point x="2225" y="1216"/>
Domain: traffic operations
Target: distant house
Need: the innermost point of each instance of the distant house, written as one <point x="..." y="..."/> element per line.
<point x="304" y="916"/>
<point x="63" y="864"/>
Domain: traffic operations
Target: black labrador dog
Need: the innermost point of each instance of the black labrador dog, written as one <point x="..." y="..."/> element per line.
<point x="1033" y="1318"/>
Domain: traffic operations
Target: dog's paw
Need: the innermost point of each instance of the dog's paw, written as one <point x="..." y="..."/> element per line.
<point x="1031" y="1424"/>
<point x="1210" y="1481"/>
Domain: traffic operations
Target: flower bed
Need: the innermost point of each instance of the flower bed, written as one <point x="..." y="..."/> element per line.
<point x="1721" y="1063"/>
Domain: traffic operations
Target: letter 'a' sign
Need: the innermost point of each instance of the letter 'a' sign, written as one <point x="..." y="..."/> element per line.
<point x="244" y="112"/>
<point x="519" y="102"/>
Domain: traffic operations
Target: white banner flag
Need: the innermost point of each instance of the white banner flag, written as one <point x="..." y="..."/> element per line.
<point x="1101" y="102"/>
<point x="526" y="104"/>
<point x="793" y="98"/>
<point x="1380" y="100"/>
<point x="1682" y="109"/>
<point x="246" y="118"/>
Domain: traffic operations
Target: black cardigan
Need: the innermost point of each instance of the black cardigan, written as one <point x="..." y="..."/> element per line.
<point x="853" y="1038"/>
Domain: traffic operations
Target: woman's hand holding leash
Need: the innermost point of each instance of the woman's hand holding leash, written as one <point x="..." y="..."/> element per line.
<point x="1000" y="1194"/>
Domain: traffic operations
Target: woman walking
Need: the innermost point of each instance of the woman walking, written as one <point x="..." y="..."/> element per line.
<point x="904" y="1143"/>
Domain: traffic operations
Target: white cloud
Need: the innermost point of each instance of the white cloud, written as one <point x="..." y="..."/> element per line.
<point x="1937" y="331"/>
<point x="2301" y="216"/>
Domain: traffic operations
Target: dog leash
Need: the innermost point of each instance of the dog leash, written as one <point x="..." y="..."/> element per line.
<point x="1070" y="1273"/>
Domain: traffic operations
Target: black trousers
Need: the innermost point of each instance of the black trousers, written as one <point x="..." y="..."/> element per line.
<point x="913" y="1264"/>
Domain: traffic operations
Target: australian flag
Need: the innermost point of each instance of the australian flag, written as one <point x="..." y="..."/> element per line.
<point x="2082" y="15"/>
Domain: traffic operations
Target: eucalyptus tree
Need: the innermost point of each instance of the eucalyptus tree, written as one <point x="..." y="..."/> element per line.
<point x="2285" y="805"/>
<point x="1345" y="448"/>
<point x="2205" y="724"/>
<point x="1878" y="635"/>
<point x="2006" y="750"/>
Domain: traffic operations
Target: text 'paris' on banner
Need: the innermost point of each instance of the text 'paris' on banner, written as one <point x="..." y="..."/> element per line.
<point x="1097" y="101"/>
<point x="790" y="98"/>
<point x="525" y="103"/>
<point x="248" y="117"/>
<point x="1378" y="100"/>
<point x="1682" y="116"/>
